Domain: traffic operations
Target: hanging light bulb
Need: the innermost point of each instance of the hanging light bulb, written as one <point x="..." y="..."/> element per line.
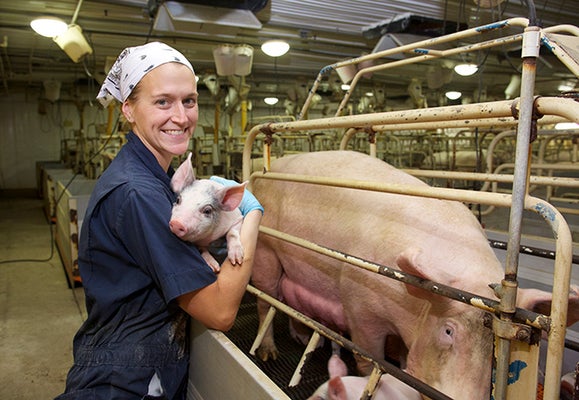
<point x="275" y="48"/>
<point x="466" y="69"/>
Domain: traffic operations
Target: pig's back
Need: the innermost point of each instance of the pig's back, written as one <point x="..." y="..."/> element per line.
<point x="372" y="225"/>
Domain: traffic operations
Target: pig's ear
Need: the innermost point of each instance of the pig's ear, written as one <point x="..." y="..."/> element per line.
<point x="232" y="196"/>
<point x="540" y="301"/>
<point x="414" y="262"/>
<point x="184" y="176"/>
<point x="336" y="389"/>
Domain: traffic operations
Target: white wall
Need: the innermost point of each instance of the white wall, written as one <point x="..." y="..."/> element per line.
<point x="32" y="131"/>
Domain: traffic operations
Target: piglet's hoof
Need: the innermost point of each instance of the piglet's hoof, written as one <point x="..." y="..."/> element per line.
<point x="267" y="353"/>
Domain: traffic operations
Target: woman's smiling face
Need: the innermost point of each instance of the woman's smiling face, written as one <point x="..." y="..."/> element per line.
<point x="163" y="112"/>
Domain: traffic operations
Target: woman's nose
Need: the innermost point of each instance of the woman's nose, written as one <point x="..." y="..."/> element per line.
<point x="179" y="113"/>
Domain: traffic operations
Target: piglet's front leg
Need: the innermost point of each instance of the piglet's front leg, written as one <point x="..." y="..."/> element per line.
<point x="234" y="246"/>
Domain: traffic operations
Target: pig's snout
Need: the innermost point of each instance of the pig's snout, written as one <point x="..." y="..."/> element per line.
<point x="177" y="228"/>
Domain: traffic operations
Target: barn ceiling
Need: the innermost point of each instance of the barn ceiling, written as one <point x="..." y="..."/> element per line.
<point x="320" y="33"/>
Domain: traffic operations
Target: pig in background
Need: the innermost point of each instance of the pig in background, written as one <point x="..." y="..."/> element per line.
<point x="206" y="211"/>
<point x="442" y="342"/>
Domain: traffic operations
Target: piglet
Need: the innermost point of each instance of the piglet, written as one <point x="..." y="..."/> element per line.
<point x="206" y="211"/>
<point x="342" y="387"/>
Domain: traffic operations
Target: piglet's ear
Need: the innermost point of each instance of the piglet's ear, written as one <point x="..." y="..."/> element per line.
<point x="184" y="176"/>
<point x="337" y="367"/>
<point x="336" y="389"/>
<point x="232" y="196"/>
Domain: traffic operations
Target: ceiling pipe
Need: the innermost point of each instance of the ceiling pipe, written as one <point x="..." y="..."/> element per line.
<point x="75" y="16"/>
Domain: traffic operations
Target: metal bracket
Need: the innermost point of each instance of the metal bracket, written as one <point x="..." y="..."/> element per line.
<point x="513" y="331"/>
<point x="268" y="132"/>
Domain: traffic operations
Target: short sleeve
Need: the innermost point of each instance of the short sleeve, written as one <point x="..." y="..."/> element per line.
<point x="248" y="203"/>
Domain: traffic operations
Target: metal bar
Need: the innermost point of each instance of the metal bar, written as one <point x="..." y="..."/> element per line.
<point x="351" y="346"/>
<point x="501" y="178"/>
<point x="522" y="22"/>
<point x="311" y="347"/>
<point x="563" y="107"/>
<point x="425" y="55"/>
<point x="530" y="250"/>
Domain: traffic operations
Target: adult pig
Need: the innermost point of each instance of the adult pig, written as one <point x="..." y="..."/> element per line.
<point x="445" y="341"/>
<point x="206" y="211"/>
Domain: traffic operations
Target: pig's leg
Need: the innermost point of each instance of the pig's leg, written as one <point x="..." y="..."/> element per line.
<point x="209" y="259"/>
<point x="266" y="276"/>
<point x="234" y="246"/>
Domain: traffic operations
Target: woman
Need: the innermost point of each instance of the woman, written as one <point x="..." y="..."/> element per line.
<point x="140" y="280"/>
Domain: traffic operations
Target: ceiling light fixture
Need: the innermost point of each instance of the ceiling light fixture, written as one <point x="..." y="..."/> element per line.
<point x="49" y="26"/>
<point x="465" y="69"/>
<point x="271" y="101"/>
<point x="73" y="43"/>
<point x="566" y="125"/>
<point x="275" y="48"/>
<point x="453" y="95"/>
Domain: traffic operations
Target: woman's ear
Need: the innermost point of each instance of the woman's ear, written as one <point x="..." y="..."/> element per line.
<point x="127" y="111"/>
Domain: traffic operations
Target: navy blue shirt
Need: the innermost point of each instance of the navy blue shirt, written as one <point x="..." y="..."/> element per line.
<point x="133" y="268"/>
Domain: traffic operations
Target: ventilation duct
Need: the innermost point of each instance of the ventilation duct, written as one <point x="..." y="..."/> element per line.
<point x="406" y="29"/>
<point x="413" y="24"/>
<point x="178" y="17"/>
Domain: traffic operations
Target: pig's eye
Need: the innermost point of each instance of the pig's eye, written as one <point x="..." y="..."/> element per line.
<point x="447" y="335"/>
<point x="178" y="201"/>
<point x="207" y="211"/>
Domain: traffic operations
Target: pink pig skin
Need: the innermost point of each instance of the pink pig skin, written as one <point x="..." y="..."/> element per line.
<point x="206" y="211"/>
<point x="343" y="387"/>
<point x="445" y="341"/>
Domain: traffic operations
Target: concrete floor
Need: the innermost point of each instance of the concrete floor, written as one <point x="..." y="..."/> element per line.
<point x="39" y="313"/>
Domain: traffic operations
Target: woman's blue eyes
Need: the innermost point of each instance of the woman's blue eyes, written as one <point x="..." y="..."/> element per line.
<point x="187" y="102"/>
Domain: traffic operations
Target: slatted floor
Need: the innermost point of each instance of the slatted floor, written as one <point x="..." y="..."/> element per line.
<point x="280" y="371"/>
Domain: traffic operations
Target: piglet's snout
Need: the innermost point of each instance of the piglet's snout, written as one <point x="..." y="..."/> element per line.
<point x="177" y="228"/>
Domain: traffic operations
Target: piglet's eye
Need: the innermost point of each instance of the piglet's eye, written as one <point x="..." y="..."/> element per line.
<point x="207" y="211"/>
<point x="178" y="201"/>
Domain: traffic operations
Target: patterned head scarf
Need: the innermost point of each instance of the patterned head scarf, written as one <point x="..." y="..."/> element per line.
<point x="131" y="65"/>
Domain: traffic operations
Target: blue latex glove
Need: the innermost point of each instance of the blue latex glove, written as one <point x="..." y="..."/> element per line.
<point x="248" y="203"/>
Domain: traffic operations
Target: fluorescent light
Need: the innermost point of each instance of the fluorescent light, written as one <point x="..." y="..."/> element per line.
<point x="275" y="48"/>
<point x="49" y="26"/>
<point x="566" y="86"/>
<point x="465" y="69"/>
<point x="452" y="95"/>
<point x="271" y="100"/>
<point x="566" y="125"/>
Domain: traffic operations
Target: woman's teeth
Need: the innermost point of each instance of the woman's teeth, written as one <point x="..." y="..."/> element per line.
<point x="175" y="132"/>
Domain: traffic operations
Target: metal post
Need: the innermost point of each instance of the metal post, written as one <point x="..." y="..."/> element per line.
<point x="508" y="291"/>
